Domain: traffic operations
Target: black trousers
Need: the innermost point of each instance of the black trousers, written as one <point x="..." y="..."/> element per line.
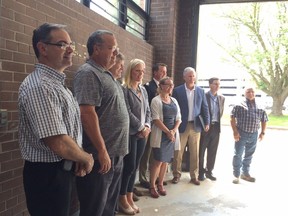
<point x="98" y="193"/>
<point x="208" y="142"/>
<point x="47" y="188"/>
<point x="131" y="163"/>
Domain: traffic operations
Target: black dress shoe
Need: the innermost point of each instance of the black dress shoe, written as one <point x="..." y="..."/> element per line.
<point x="145" y="184"/>
<point x="201" y="177"/>
<point x="210" y="176"/>
<point x="137" y="192"/>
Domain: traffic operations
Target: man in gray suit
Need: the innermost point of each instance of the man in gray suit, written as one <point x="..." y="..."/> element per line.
<point x="209" y="140"/>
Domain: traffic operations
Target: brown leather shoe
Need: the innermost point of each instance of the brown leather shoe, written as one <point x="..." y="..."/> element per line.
<point x="138" y="192"/>
<point x="247" y="178"/>
<point x="145" y="184"/>
<point x="135" y="197"/>
<point x="195" y="181"/>
<point x="175" y="180"/>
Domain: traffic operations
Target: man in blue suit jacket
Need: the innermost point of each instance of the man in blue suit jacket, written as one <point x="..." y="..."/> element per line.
<point x="195" y="119"/>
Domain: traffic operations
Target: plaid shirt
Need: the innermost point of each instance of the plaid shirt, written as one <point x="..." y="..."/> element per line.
<point x="46" y="108"/>
<point x="248" y="117"/>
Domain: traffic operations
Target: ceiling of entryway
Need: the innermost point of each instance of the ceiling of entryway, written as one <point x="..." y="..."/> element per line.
<point x="231" y="1"/>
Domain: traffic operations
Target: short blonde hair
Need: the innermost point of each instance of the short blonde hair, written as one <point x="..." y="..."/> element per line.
<point x="132" y="64"/>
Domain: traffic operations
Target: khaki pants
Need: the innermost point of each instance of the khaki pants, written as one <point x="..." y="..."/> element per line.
<point x="191" y="138"/>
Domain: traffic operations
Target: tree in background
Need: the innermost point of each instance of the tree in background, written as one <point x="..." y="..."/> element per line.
<point x="260" y="46"/>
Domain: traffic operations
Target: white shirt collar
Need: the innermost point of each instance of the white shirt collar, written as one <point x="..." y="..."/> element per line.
<point x="156" y="81"/>
<point x="187" y="89"/>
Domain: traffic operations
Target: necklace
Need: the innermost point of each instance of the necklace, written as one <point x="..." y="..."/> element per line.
<point x="165" y="98"/>
<point x="138" y="90"/>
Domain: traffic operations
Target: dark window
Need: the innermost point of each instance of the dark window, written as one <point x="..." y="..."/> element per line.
<point x="132" y="15"/>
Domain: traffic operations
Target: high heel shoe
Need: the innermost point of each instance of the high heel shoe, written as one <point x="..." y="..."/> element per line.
<point x="135" y="208"/>
<point x="127" y="211"/>
<point x="161" y="190"/>
<point x="154" y="193"/>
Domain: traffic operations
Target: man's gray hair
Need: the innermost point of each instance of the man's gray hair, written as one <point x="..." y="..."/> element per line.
<point x="188" y="69"/>
<point x="96" y="38"/>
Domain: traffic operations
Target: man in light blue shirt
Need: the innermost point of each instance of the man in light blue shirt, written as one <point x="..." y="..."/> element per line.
<point x="209" y="140"/>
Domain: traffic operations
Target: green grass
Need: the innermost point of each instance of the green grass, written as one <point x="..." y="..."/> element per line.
<point x="274" y="121"/>
<point x="279" y="121"/>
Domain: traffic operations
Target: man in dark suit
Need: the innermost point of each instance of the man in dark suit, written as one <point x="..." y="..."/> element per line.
<point x="209" y="140"/>
<point x="193" y="105"/>
<point x="159" y="71"/>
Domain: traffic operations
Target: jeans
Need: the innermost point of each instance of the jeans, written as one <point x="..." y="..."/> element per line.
<point x="246" y="145"/>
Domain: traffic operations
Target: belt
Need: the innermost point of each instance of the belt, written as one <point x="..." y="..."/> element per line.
<point x="215" y="122"/>
<point x="190" y="121"/>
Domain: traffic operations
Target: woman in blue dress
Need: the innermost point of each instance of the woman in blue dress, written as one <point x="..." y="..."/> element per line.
<point x="164" y="134"/>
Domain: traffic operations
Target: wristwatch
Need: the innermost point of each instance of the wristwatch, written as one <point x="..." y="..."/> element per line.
<point x="262" y="133"/>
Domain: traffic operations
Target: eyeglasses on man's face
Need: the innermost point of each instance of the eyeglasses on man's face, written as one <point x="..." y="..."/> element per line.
<point x="63" y="45"/>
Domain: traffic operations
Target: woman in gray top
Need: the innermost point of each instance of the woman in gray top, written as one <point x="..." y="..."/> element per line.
<point x="139" y="114"/>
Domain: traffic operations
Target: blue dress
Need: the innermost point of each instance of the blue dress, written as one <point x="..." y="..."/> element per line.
<point x="166" y="151"/>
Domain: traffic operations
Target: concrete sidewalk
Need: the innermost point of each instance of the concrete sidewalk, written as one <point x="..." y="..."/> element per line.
<point x="222" y="197"/>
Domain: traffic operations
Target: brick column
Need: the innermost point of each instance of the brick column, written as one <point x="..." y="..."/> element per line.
<point x="173" y="30"/>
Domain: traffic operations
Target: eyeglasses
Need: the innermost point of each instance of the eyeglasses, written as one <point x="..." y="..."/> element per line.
<point x="63" y="45"/>
<point x="169" y="85"/>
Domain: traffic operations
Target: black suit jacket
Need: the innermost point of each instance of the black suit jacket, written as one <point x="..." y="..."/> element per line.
<point x="151" y="88"/>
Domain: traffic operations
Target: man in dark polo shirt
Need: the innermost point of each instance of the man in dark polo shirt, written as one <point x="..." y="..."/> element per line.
<point x="105" y="122"/>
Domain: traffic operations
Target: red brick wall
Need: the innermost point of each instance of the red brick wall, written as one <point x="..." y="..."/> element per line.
<point x="18" y="19"/>
<point x="162" y="31"/>
<point x="171" y="33"/>
<point x="170" y="36"/>
<point x="185" y="38"/>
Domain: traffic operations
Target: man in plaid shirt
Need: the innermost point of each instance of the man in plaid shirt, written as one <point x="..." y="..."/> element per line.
<point x="50" y="132"/>
<point x="246" y="119"/>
